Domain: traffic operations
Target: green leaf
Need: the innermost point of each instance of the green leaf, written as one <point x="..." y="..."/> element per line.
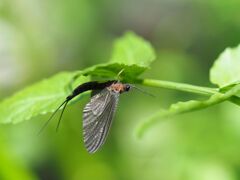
<point x="226" y="69"/>
<point x="183" y="107"/>
<point x="40" y="98"/>
<point x="133" y="50"/>
<point x="111" y="70"/>
<point x="131" y="53"/>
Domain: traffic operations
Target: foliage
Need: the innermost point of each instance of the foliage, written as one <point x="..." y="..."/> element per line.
<point x="133" y="55"/>
<point x="39" y="98"/>
<point x="225" y="70"/>
<point x="40" y="38"/>
<point x="130" y="53"/>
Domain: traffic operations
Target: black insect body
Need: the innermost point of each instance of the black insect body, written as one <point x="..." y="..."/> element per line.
<point x="98" y="113"/>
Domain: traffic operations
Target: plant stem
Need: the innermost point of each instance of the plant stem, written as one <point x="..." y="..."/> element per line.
<point x="179" y="86"/>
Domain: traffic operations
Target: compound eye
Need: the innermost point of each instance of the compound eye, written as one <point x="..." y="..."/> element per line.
<point x="127" y="88"/>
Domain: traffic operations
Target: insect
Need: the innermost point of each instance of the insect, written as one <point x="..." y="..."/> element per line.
<point x="98" y="113"/>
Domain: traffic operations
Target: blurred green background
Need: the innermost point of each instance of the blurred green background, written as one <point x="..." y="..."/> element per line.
<point x="41" y="38"/>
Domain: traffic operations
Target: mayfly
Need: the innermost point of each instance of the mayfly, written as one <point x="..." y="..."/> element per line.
<point x="98" y="113"/>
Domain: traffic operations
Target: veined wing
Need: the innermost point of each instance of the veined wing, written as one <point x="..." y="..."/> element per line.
<point x="97" y="118"/>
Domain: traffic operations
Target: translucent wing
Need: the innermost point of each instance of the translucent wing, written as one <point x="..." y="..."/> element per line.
<point x="97" y="118"/>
